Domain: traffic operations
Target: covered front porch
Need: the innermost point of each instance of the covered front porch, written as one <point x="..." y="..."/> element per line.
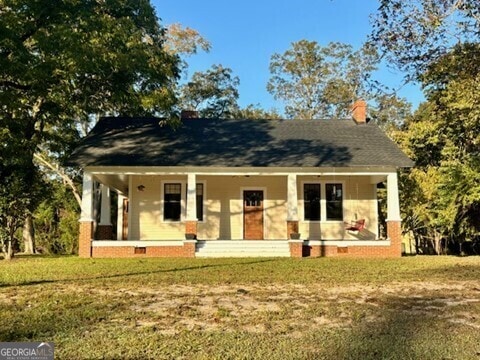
<point x="205" y="212"/>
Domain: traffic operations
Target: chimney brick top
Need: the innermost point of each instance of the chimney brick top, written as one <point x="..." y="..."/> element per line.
<point x="359" y="111"/>
<point x="189" y="114"/>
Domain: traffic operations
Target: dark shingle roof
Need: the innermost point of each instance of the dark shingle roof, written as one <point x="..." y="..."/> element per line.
<point x="237" y="143"/>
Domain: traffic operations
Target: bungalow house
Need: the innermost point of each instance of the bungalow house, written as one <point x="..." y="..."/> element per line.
<point x="219" y="187"/>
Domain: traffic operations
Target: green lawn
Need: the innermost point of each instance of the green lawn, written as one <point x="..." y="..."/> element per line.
<point x="409" y="308"/>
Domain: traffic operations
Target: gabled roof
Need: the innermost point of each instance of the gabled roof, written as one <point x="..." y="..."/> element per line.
<point x="237" y="143"/>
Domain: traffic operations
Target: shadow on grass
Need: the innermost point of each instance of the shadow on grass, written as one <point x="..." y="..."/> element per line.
<point x="450" y="272"/>
<point x="409" y="328"/>
<point x="137" y="273"/>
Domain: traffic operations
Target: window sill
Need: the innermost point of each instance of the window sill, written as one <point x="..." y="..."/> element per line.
<point x="322" y="221"/>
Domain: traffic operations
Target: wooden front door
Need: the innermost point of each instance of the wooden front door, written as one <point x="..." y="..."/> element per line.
<point x="253" y="215"/>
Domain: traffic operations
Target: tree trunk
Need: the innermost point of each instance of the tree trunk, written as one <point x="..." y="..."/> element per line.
<point x="437" y="239"/>
<point x="9" y="251"/>
<point x="29" y="235"/>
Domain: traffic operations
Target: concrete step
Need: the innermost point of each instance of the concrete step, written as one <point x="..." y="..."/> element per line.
<point x="242" y="248"/>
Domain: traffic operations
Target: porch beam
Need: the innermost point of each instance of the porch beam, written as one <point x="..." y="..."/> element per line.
<point x="241" y="171"/>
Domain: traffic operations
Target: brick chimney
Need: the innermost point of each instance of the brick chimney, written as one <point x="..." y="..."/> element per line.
<point x="189" y="114"/>
<point x="359" y="111"/>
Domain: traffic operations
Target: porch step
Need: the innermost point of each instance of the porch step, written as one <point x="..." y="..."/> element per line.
<point x="242" y="248"/>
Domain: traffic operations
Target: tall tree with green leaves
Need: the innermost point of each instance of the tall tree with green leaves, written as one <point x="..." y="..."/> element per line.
<point x="437" y="42"/>
<point x="255" y="112"/>
<point x="320" y="82"/>
<point x="443" y="138"/>
<point x="413" y="34"/>
<point x="60" y="62"/>
<point x="213" y="93"/>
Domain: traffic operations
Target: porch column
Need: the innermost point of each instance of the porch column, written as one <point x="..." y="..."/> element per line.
<point x="104" y="228"/>
<point x="292" y="205"/>
<point x="394" y="230"/>
<point x="191" y="218"/>
<point x="86" y="218"/>
<point x="120" y="199"/>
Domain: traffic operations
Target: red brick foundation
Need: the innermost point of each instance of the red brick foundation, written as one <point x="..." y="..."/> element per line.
<point x="85" y="239"/>
<point x="104" y="232"/>
<point x="394" y="233"/>
<point x="292" y="227"/>
<point x="296" y="248"/>
<point x="189" y="248"/>
<point x="191" y="227"/>
<point x="351" y="251"/>
<point x="187" y="251"/>
<point x="394" y="250"/>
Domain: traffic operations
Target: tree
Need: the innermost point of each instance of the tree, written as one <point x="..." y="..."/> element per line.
<point x="414" y="34"/>
<point x="20" y="189"/>
<point x="443" y="138"/>
<point x="389" y="111"/>
<point x="213" y="93"/>
<point x="184" y="40"/>
<point x="62" y="62"/>
<point x="320" y="82"/>
<point x="255" y="112"/>
<point x="436" y="42"/>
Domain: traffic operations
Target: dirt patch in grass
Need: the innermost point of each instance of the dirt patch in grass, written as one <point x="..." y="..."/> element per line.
<point x="291" y="309"/>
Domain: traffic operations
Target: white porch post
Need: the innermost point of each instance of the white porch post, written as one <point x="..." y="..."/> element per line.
<point x="191" y="198"/>
<point x="105" y="228"/>
<point x="191" y="218"/>
<point x="292" y="198"/>
<point x="86" y="217"/>
<point x="393" y="203"/>
<point x="87" y="197"/>
<point x="120" y="198"/>
<point x="292" y="216"/>
<point x="394" y="229"/>
<point x="105" y="216"/>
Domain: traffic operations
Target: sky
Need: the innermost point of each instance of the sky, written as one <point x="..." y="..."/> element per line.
<point x="245" y="34"/>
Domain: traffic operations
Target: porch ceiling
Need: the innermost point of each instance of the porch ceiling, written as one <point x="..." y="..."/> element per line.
<point x="118" y="182"/>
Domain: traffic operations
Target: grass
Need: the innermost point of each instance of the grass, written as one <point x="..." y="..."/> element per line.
<point x="409" y="308"/>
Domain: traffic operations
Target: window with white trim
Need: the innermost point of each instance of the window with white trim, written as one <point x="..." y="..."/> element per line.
<point x="311" y="202"/>
<point x="334" y="201"/>
<point x="323" y="201"/>
<point x="199" y="193"/>
<point x="172" y="202"/>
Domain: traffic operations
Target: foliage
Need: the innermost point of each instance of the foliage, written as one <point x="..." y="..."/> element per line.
<point x="389" y="111"/>
<point x="437" y="43"/>
<point x="184" y="40"/>
<point x="256" y="112"/>
<point x="213" y="93"/>
<point x="60" y="62"/>
<point x="320" y="82"/>
<point x="56" y="221"/>
<point x="443" y="138"/>
<point x="414" y="34"/>
<point x="20" y="190"/>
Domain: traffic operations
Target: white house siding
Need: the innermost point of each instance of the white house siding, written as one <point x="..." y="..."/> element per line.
<point x="360" y="202"/>
<point x="147" y="212"/>
<point x="223" y="207"/>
